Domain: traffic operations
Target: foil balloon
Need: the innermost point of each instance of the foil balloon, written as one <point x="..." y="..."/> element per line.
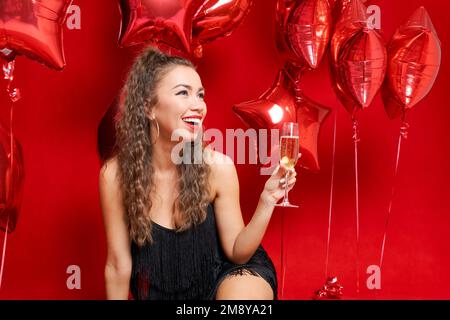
<point x="332" y="3"/>
<point x="11" y="181"/>
<point x="414" y="62"/>
<point x="330" y="290"/>
<point x="414" y="59"/>
<point x="166" y="24"/>
<point x="33" y="28"/>
<point x="358" y="67"/>
<point x="216" y="18"/>
<point x="358" y="59"/>
<point x="350" y="22"/>
<point x="284" y="102"/>
<point x="303" y="30"/>
<point x="339" y="7"/>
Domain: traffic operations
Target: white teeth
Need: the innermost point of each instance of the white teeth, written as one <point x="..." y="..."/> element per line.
<point x="193" y="120"/>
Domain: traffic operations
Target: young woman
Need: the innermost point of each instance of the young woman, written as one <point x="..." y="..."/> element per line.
<point x="175" y="230"/>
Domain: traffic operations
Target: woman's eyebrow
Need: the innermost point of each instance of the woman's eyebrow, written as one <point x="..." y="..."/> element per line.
<point x="188" y="86"/>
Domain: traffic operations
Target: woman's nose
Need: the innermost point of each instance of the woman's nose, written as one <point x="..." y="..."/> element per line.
<point x="197" y="104"/>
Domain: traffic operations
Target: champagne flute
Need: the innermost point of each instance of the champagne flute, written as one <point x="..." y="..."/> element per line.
<point x="289" y="147"/>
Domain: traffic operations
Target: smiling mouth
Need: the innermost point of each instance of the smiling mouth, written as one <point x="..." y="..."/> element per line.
<point x="192" y="122"/>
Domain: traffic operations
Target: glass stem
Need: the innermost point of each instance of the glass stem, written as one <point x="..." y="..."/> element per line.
<point x="286" y="199"/>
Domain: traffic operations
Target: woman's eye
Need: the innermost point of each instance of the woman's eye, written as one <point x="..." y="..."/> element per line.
<point x="182" y="92"/>
<point x="202" y="95"/>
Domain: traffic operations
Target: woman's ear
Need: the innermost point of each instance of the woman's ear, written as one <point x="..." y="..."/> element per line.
<point x="149" y="112"/>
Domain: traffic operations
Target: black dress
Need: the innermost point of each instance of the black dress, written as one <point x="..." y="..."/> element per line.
<point x="189" y="265"/>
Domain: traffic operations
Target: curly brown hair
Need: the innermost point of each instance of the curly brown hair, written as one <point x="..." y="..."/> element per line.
<point x="134" y="152"/>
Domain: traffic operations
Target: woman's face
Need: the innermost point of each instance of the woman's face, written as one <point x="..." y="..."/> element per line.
<point x="180" y="104"/>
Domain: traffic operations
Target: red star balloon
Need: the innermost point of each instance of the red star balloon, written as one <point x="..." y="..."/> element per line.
<point x="167" y="24"/>
<point x="303" y="30"/>
<point x="283" y="103"/>
<point x="33" y="28"/>
<point x="414" y="61"/>
<point x="358" y="59"/>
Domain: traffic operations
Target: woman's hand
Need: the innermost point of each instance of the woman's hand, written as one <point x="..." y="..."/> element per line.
<point x="275" y="185"/>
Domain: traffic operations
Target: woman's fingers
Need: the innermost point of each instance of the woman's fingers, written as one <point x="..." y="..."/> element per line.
<point x="290" y="176"/>
<point x="291" y="182"/>
<point x="281" y="170"/>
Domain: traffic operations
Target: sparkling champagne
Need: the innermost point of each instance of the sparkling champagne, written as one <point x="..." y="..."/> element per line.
<point x="289" y="150"/>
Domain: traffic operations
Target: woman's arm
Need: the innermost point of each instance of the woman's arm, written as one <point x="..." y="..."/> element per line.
<point x="239" y="241"/>
<point x="118" y="262"/>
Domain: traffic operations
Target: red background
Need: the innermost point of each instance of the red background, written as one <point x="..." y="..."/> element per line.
<point x="60" y="221"/>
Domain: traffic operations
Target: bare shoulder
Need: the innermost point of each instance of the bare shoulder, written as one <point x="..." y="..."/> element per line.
<point x="223" y="170"/>
<point x="219" y="163"/>
<point x="110" y="167"/>
<point x="109" y="176"/>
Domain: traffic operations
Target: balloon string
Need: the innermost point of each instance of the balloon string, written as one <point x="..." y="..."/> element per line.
<point x="331" y="195"/>
<point x="294" y="74"/>
<point x="355" y="142"/>
<point x="14" y="95"/>
<point x="5" y="238"/>
<point x="403" y="135"/>
<point x="282" y="258"/>
<point x="10" y="182"/>
<point x="11" y="144"/>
